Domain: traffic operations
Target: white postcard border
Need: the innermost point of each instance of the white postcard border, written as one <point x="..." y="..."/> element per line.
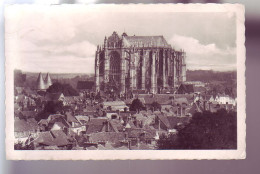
<point x="240" y="153"/>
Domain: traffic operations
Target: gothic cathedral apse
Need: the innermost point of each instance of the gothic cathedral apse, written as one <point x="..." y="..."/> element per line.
<point x="138" y="64"/>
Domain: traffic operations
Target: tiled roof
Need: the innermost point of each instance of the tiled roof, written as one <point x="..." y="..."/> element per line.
<point x="22" y="125"/>
<point x="146" y="41"/>
<point x="114" y="103"/>
<point x="91" y="128"/>
<point x="71" y="118"/>
<point x="43" y="122"/>
<point x="139" y="132"/>
<point x="52" y="138"/>
<point x="55" y="116"/>
<point x="164" y="121"/>
<point x="159" y="98"/>
<point x="142" y="146"/>
<point x="117" y="125"/>
<point x="95" y="125"/>
<point x="112" y="137"/>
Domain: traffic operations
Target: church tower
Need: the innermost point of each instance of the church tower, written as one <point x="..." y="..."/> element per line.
<point x="40" y="83"/>
<point x="47" y="81"/>
<point x="43" y="84"/>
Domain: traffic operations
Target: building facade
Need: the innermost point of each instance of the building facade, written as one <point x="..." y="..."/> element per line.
<point x="138" y="63"/>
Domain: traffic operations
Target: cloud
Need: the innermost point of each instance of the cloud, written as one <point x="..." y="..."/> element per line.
<point x="208" y="56"/>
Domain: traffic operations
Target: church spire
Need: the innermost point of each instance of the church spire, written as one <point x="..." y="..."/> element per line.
<point x="40" y="83"/>
<point x="47" y="81"/>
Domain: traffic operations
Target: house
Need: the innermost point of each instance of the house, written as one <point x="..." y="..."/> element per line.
<point x="169" y="123"/>
<point x="95" y="125"/>
<point x="72" y="120"/>
<point x="185" y="89"/>
<point x="52" y="138"/>
<point x="112" y="126"/>
<point x="225" y="99"/>
<point x="55" y="122"/>
<point x="82" y="119"/>
<point x="105" y="137"/>
<point x="141" y="135"/>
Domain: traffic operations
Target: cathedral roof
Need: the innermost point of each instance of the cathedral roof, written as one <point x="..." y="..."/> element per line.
<point x="146" y="41"/>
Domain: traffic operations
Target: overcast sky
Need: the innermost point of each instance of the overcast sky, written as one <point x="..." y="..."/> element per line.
<point x="65" y="41"/>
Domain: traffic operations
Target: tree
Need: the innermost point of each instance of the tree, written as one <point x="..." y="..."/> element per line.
<point x="156" y="106"/>
<point x="136" y="105"/>
<point x="66" y="89"/>
<point x="51" y="108"/>
<point x="166" y="142"/>
<point x="205" y="131"/>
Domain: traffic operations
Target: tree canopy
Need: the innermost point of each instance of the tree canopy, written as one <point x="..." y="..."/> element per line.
<point x="136" y="105"/>
<point x="205" y="131"/>
<point x="156" y="106"/>
<point x="66" y="89"/>
<point x="50" y="108"/>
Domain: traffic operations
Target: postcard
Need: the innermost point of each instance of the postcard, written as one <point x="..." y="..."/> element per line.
<point x="132" y="81"/>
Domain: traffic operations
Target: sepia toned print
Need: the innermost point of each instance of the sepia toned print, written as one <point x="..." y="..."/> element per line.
<point x="125" y="82"/>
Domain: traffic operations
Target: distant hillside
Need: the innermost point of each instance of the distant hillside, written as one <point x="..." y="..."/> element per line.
<point x="71" y="79"/>
<point x="210" y="76"/>
<point x="219" y="82"/>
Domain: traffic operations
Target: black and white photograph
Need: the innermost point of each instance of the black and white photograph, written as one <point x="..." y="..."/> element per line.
<point x="125" y="81"/>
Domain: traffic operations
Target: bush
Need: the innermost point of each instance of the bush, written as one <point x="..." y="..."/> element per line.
<point x="66" y="89"/>
<point x="136" y="105"/>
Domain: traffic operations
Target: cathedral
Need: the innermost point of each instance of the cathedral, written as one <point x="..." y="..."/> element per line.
<point x="143" y="64"/>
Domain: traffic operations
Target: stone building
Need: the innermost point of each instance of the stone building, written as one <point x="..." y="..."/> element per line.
<point x="138" y="63"/>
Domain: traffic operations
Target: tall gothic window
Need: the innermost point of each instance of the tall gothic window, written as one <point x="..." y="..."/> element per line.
<point x="115" y="70"/>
